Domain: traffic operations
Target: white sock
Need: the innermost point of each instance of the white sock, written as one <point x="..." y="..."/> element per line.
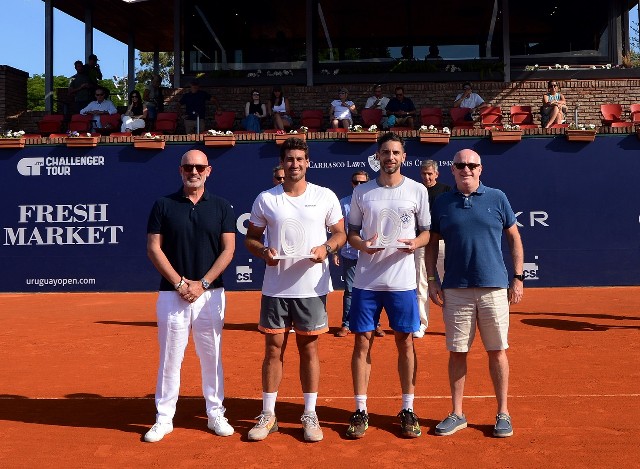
<point x="361" y="402"/>
<point x="310" y="399"/>
<point x="407" y="401"/>
<point x="269" y="402"/>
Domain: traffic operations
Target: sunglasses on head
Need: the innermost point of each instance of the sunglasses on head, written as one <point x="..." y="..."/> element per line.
<point x="471" y="166"/>
<point x="188" y="168"/>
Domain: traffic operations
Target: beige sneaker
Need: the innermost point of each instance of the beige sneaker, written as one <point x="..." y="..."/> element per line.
<point x="311" y="427"/>
<point x="267" y="423"/>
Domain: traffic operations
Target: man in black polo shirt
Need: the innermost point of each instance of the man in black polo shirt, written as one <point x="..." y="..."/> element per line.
<point x="190" y="240"/>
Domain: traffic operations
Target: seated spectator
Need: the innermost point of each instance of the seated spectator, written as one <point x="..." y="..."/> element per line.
<point x="254" y="112"/>
<point x="434" y="53"/>
<point x="469" y="100"/>
<point x="154" y="97"/>
<point x="554" y="105"/>
<point x="400" y="110"/>
<point x="80" y="88"/>
<point x="378" y="101"/>
<point x="136" y="114"/>
<point x="279" y="109"/>
<point x="341" y="110"/>
<point x="99" y="107"/>
<point x="195" y="102"/>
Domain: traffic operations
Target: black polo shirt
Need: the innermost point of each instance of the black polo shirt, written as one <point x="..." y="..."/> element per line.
<point x="434" y="191"/>
<point x="191" y="234"/>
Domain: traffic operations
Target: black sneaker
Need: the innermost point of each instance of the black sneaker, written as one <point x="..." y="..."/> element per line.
<point x="409" y="424"/>
<point x="358" y="424"/>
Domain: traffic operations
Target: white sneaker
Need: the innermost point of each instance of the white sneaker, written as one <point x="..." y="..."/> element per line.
<point x="419" y="334"/>
<point x="220" y="425"/>
<point x="157" y="432"/>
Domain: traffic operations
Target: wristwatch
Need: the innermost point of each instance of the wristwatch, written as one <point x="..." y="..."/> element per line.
<point x="178" y="285"/>
<point x="205" y="284"/>
<point x="329" y="248"/>
<point x="519" y="277"/>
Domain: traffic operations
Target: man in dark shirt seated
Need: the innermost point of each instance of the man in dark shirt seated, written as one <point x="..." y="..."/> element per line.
<point x="400" y="110"/>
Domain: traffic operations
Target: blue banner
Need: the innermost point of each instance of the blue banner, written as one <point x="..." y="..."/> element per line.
<point x="74" y="219"/>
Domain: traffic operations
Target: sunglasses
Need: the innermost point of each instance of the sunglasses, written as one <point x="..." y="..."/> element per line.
<point x="471" y="166"/>
<point x="188" y="168"/>
<point x="553" y="85"/>
<point x="355" y="183"/>
<point x="278" y="178"/>
<point x="99" y="94"/>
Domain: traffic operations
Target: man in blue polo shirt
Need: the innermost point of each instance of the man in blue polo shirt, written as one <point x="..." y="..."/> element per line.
<point x="190" y="241"/>
<point x="475" y="291"/>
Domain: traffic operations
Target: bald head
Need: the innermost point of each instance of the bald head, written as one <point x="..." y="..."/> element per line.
<point x="194" y="169"/>
<point x="466" y="170"/>
<point x="466" y="156"/>
<point x="194" y="157"/>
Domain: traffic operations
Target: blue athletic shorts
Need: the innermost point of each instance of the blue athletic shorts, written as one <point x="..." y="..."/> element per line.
<point x="401" y="308"/>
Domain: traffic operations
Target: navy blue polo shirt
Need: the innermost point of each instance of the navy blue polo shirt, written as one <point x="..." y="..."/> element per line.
<point x="395" y="105"/>
<point x="472" y="230"/>
<point x="195" y="103"/>
<point x="191" y="234"/>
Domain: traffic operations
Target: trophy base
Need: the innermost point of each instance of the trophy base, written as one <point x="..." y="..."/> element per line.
<point x="295" y="256"/>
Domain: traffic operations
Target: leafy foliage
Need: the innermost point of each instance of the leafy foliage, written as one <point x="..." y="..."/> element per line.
<point x="35" y="90"/>
<point x="145" y="72"/>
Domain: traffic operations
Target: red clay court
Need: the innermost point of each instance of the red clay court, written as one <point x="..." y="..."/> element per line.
<point x="78" y="375"/>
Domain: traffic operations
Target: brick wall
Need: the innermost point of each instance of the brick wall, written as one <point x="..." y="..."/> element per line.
<point x="13" y="92"/>
<point x="586" y="95"/>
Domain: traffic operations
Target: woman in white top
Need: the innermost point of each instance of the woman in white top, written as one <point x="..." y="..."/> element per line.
<point x="136" y="114"/>
<point x="279" y="109"/>
<point x="341" y="110"/>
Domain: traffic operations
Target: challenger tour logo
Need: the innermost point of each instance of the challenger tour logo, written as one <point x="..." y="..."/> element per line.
<point x="55" y="165"/>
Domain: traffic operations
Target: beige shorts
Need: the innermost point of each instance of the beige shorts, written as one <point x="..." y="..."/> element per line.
<point x="464" y="308"/>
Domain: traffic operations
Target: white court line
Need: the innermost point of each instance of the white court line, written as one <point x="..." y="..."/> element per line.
<point x="323" y="398"/>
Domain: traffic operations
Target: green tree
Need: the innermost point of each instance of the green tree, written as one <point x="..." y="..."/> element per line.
<point x="144" y="73"/>
<point x="35" y="91"/>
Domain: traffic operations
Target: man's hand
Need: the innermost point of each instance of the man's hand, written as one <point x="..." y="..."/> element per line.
<point x="191" y="290"/>
<point x="516" y="291"/>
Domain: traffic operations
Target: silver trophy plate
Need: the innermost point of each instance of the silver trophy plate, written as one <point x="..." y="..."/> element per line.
<point x="388" y="229"/>
<point x="292" y="240"/>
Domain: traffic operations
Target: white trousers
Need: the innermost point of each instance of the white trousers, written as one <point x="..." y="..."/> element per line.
<point x="421" y="279"/>
<point x="132" y="124"/>
<point x="176" y="318"/>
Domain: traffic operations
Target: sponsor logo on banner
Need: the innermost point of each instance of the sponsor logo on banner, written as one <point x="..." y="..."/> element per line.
<point x="533" y="218"/>
<point x="374" y="162"/>
<point x="55" y="165"/>
<point x="243" y="274"/>
<point x="530" y="270"/>
<point x="63" y="224"/>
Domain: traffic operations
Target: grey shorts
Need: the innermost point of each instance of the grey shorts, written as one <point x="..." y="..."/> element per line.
<point x="307" y="315"/>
